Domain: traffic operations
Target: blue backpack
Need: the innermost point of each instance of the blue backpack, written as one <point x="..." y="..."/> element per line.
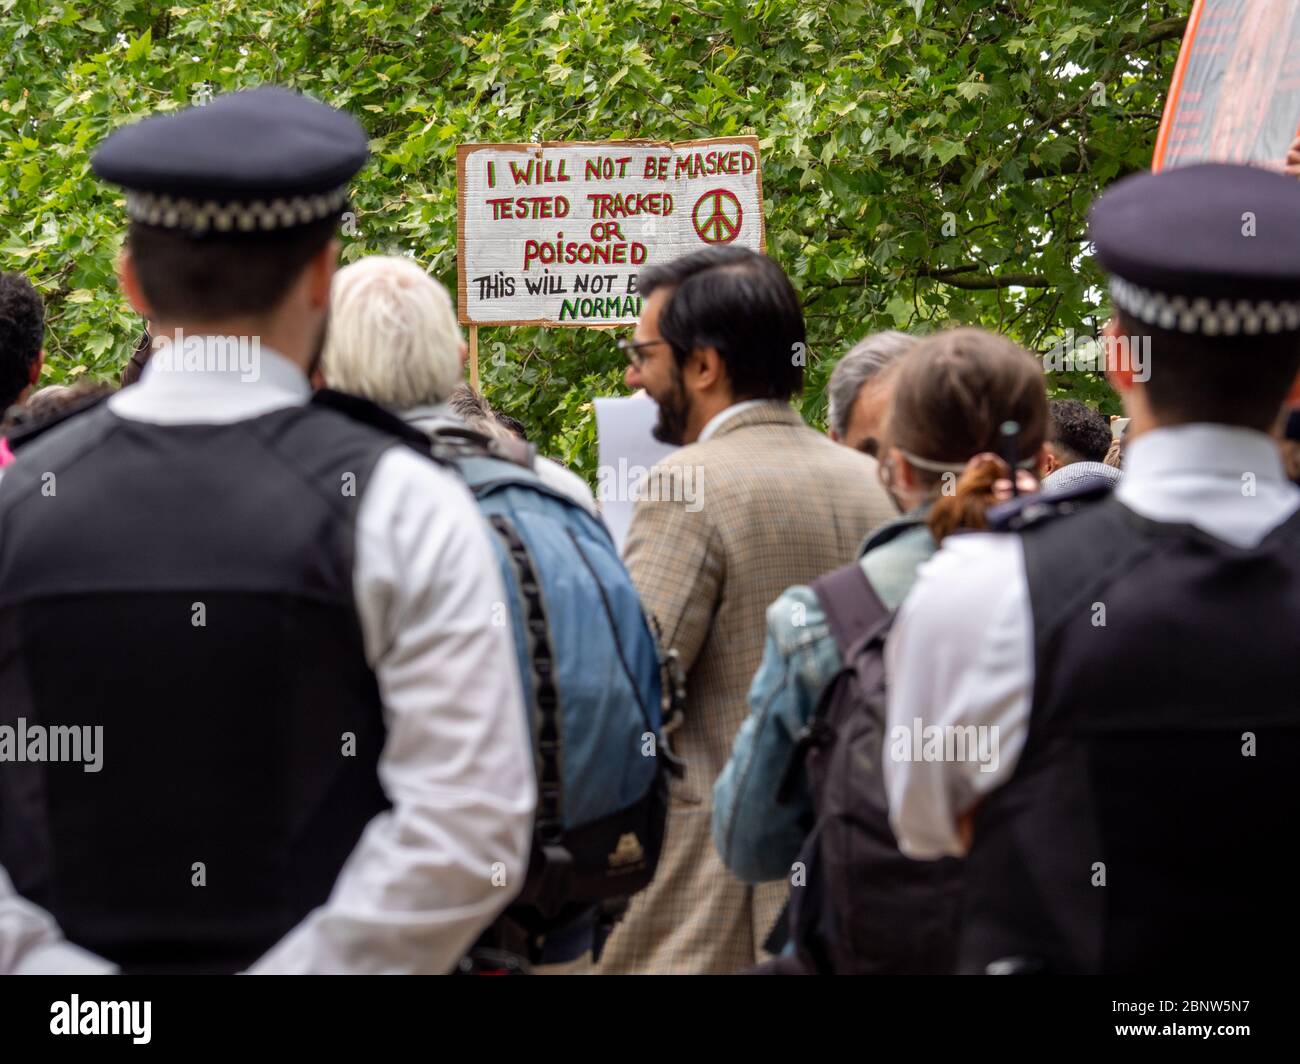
<point x="595" y="686"/>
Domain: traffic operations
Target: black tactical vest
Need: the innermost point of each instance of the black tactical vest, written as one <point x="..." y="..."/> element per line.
<point x="1149" y="824"/>
<point x="189" y="589"/>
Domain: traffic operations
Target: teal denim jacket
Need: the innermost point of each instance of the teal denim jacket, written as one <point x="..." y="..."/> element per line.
<point x="758" y="837"/>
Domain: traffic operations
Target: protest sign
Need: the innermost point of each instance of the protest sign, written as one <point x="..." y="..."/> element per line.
<point x="555" y="233"/>
<point x="1235" y="95"/>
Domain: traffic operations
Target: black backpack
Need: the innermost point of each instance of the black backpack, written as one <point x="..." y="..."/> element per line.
<point x="863" y="907"/>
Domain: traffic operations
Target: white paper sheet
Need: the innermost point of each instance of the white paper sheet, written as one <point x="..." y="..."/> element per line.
<point x="626" y="451"/>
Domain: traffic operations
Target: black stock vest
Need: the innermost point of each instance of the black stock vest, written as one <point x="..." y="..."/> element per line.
<point x="188" y="589"/>
<point x="1149" y="824"/>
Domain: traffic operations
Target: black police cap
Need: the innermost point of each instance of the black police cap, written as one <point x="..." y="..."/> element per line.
<point x="253" y="161"/>
<point x="1212" y="249"/>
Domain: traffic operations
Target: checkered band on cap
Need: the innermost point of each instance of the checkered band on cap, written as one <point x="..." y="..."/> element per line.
<point x="1209" y="317"/>
<point x="202" y="216"/>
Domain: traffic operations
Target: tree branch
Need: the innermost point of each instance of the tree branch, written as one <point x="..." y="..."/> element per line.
<point x="954" y="276"/>
<point x="1164" y="30"/>
<point x="975" y="282"/>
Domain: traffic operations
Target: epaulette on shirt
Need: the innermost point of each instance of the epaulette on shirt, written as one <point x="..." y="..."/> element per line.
<point x="1026" y="511"/>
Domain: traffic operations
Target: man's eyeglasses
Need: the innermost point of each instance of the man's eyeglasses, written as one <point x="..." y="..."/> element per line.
<point x="632" y="349"/>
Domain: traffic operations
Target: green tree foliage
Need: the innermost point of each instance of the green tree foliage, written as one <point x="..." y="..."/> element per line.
<point x="926" y="162"/>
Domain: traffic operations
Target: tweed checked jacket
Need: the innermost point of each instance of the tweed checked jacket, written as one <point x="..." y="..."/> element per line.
<point x="730" y="523"/>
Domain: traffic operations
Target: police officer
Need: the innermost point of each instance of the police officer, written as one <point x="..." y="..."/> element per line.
<point x="1133" y="661"/>
<point x="314" y="756"/>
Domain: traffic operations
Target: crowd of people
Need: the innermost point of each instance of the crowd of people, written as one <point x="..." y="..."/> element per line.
<point x="976" y="682"/>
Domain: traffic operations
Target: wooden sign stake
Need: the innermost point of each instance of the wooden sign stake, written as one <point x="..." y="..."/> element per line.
<point x="473" y="357"/>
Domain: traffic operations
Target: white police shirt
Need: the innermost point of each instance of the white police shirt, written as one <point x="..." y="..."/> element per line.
<point x="32" y="944"/>
<point x="961" y="650"/>
<point x="423" y="880"/>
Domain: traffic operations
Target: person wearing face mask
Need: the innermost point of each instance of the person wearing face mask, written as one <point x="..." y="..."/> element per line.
<point x="857" y="394"/>
<point x="951" y="395"/>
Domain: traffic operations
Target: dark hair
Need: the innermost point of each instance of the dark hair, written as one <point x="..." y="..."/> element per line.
<point x="511" y="424"/>
<point x="54" y="403"/>
<point x="473" y="409"/>
<point x="952" y="394"/>
<point x="22" y="332"/>
<point x="742" y="304"/>
<point x="138" y="360"/>
<point x="1237" y="380"/>
<point x="467" y="404"/>
<point x="1290" y="450"/>
<point x="218" y="276"/>
<point x="1077" y="432"/>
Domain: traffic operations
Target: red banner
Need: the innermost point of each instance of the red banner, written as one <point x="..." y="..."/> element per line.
<point x="1235" y="95"/>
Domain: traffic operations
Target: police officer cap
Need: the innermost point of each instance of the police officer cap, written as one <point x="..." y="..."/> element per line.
<point x="261" y="160"/>
<point x="1212" y="249"/>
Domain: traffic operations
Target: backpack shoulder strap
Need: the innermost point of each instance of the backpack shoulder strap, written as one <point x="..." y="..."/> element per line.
<point x="521" y="452"/>
<point x="850" y="603"/>
<point x="854" y="612"/>
<point x="468" y="441"/>
<point x="487" y="464"/>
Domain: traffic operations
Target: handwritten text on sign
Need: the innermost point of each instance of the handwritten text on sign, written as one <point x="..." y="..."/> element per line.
<point x="555" y="234"/>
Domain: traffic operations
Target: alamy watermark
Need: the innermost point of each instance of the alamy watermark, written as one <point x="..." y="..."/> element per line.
<point x="178" y="353"/>
<point x="36" y="742"/>
<point x="1120" y="354"/>
<point x="976" y="743"/>
<point x="77" y="1017"/>
<point x="633" y="483"/>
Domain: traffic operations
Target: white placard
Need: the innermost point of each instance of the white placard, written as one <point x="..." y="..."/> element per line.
<point x="627" y="451"/>
<point x="555" y="233"/>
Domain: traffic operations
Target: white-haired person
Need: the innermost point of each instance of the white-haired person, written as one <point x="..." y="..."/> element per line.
<point x="393" y="338"/>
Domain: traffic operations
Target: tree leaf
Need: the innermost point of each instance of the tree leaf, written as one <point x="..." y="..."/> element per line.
<point x="139" y="48"/>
